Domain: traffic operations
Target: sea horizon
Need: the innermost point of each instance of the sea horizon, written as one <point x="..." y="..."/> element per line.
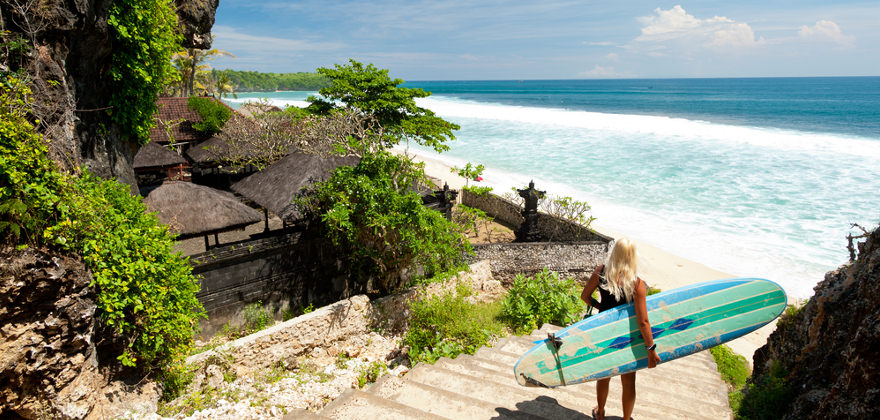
<point x="757" y="177"/>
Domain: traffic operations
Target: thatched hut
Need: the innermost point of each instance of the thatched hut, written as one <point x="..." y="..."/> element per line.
<point x="154" y="162"/>
<point x="276" y="186"/>
<point x="193" y="210"/>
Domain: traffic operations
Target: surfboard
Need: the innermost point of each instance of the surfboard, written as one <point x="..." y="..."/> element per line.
<point x="683" y="321"/>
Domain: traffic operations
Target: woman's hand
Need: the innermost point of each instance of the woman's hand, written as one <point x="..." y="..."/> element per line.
<point x="653" y="359"/>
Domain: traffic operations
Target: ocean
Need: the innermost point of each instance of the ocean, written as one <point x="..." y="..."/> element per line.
<point x="757" y="177"/>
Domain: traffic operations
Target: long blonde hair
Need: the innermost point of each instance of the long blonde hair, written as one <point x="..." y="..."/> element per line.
<point x="620" y="269"/>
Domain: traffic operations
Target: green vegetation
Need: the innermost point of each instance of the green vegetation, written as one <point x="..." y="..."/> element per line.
<point x="568" y="209"/>
<point x="145" y="292"/>
<point x="478" y="190"/>
<point x="214" y="114"/>
<point x="144" y="36"/>
<point x="469" y="172"/>
<point x="370" y="373"/>
<point x="544" y="298"/>
<point x="193" y="77"/>
<point x="767" y="397"/>
<point x="371" y="91"/>
<point x="256" y="317"/>
<point x="734" y="370"/>
<point x="447" y="325"/>
<point x="252" y="81"/>
<point x="380" y="226"/>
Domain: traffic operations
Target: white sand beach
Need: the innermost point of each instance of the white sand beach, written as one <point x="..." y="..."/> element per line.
<point x="657" y="267"/>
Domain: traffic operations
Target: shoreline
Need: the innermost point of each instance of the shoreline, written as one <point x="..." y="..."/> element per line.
<point x="659" y="268"/>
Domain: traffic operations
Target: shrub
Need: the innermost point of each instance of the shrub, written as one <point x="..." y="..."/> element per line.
<point x="447" y="325"/>
<point x="379" y="225"/>
<point x="767" y="397"/>
<point x="256" y="317"/>
<point x="145" y="292"/>
<point x="544" y="298"/>
<point x="370" y="373"/>
<point x="478" y="190"/>
<point x="214" y="114"/>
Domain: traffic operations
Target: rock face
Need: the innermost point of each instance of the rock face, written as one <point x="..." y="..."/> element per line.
<point x="829" y="349"/>
<point x="69" y="64"/>
<point x="47" y="355"/>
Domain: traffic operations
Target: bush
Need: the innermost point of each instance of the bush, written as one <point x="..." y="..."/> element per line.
<point x="767" y="397"/>
<point x="379" y="225"/>
<point x="256" y="317"/>
<point x="145" y="292"/>
<point x="213" y="112"/>
<point x="447" y="325"/>
<point x="544" y="298"/>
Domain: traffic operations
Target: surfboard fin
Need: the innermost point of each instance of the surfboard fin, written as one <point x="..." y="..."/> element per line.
<point x="532" y="382"/>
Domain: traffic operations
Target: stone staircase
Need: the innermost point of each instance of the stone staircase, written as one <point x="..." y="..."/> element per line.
<point x="482" y="387"/>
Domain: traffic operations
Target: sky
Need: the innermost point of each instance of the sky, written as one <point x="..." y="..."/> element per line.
<point x="554" y="39"/>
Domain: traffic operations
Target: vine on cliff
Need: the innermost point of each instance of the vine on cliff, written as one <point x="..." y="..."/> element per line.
<point x="145" y="292"/>
<point x="144" y="39"/>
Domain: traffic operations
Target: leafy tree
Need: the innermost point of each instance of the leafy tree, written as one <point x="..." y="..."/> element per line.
<point x="469" y="172"/>
<point x="371" y="91"/>
<point x="214" y="114"/>
<point x="373" y="218"/>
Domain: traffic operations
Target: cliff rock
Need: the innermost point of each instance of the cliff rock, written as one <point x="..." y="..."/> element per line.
<point x="827" y="352"/>
<point x="68" y="65"/>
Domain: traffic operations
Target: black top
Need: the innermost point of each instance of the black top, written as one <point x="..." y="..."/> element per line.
<point x="606" y="299"/>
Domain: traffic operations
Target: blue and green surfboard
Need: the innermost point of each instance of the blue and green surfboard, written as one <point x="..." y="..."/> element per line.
<point x="683" y="321"/>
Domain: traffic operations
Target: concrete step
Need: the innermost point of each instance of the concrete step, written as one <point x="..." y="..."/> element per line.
<point x="442" y="402"/>
<point x="357" y="404"/>
<point x="654" y="394"/>
<point x="482" y="386"/>
<point x="303" y="414"/>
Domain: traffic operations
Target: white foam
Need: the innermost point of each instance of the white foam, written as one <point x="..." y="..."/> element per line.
<point x="683" y="130"/>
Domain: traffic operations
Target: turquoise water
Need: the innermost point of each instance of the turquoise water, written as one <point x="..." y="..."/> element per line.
<point x="754" y="177"/>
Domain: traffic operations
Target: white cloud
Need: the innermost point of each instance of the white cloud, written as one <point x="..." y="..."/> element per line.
<point x="675" y="29"/>
<point x="600" y="72"/>
<point x="599" y="43"/>
<point x="612" y="57"/>
<point x="826" y="30"/>
<point x="230" y="39"/>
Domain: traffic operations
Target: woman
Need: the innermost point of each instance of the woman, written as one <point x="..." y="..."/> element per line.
<point x="618" y="284"/>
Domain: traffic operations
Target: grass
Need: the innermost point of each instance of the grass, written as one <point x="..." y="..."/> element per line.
<point x="734" y="370"/>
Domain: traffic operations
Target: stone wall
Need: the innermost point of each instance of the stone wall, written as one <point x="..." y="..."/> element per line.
<point x="575" y="259"/>
<point x="344" y="324"/>
<point x="281" y="272"/>
<point x="552" y="228"/>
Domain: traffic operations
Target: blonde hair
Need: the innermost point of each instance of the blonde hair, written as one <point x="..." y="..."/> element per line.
<point x="620" y="269"/>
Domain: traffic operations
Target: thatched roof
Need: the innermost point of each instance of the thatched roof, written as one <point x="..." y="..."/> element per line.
<point x="174" y="121"/>
<point x="193" y="210"/>
<point x="276" y="186"/>
<point x="214" y="149"/>
<point x="154" y="155"/>
<point x="251" y="109"/>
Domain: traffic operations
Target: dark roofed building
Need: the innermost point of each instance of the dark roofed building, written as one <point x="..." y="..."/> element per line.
<point x="276" y="186"/>
<point x="192" y="210"/>
<point x="174" y="122"/>
<point x="154" y="162"/>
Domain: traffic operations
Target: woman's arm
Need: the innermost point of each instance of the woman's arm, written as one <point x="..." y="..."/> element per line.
<point x="592" y="284"/>
<point x="644" y="323"/>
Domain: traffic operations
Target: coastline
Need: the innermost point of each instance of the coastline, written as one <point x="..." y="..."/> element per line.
<point x="659" y="268"/>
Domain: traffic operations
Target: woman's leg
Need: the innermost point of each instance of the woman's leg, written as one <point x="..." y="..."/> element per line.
<point x="628" y="381"/>
<point x="601" y="397"/>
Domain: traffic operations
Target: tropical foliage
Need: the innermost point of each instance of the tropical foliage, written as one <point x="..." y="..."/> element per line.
<point x="371" y="91"/>
<point x="214" y="114"/>
<point x="252" y="81"/>
<point x="544" y="298"/>
<point x="194" y="76"/>
<point x="144" y="38"/>
<point x="145" y="292"/>
<point x="380" y="226"/>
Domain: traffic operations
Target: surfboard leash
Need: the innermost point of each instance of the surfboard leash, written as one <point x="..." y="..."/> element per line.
<point x="556" y="342"/>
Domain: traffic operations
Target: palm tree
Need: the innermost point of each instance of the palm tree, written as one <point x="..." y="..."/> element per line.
<point x="220" y="85"/>
<point x="193" y="71"/>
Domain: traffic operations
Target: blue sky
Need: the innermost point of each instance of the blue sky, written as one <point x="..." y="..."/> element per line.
<point x="555" y="39"/>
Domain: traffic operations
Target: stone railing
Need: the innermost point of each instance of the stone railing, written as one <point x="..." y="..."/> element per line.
<point x="569" y="259"/>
